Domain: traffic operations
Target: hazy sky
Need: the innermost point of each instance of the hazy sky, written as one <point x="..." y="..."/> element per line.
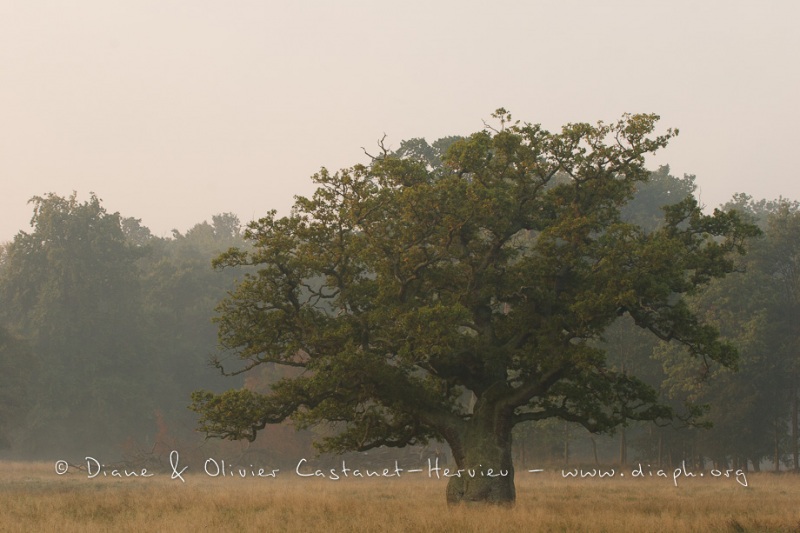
<point x="175" y="110"/>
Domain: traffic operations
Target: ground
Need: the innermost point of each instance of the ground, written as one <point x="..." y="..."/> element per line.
<point x="34" y="498"/>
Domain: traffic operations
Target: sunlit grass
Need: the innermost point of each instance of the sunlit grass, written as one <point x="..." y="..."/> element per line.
<point x="34" y="498"/>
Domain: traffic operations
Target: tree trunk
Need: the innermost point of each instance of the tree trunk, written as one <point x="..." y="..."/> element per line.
<point x="777" y="457"/>
<point x="795" y="449"/>
<point x="484" y="466"/>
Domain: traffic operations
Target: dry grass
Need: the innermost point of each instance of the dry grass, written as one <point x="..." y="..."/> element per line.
<point x="34" y="498"/>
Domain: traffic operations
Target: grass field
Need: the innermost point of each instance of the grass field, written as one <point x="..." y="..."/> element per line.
<point x="34" y="498"/>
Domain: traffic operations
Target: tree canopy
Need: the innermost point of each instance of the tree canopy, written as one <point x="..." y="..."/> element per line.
<point x="69" y="287"/>
<point x="104" y="329"/>
<point x="455" y="300"/>
<point x="755" y="411"/>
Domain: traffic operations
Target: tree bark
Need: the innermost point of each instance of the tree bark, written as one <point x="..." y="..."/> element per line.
<point x="484" y="466"/>
<point x="795" y="449"/>
<point x="777" y="453"/>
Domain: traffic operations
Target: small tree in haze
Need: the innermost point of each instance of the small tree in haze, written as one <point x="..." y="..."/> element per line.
<point x="455" y="301"/>
<point x="755" y="411"/>
<point x="69" y="288"/>
<point x="18" y="368"/>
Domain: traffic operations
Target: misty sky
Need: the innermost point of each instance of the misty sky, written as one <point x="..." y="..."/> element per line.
<point x="175" y="110"/>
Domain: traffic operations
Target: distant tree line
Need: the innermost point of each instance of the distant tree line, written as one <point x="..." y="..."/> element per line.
<point x="746" y="416"/>
<point x="106" y="329"/>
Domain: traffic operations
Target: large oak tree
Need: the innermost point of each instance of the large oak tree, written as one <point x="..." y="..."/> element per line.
<point x="456" y="300"/>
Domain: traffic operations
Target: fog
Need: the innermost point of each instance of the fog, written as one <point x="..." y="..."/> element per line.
<point x="172" y="111"/>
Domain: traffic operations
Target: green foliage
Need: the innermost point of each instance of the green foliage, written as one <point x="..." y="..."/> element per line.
<point x="759" y="311"/>
<point x="180" y="291"/>
<point x="457" y="300"/>
<point x="660" y="189"/>
<point x="17" y="370"/>
<point x="70" y="288"/>
<point x="119" y="322"/>
<point x="430" y="155"/>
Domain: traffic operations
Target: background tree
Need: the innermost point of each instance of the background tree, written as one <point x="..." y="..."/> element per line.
<point x="430" y="155"/>
<point x="70" y="288"/>
<point x="749" y="413"/>
<point x="780" y="260"/>
<point x="17" y="370"/>
<point x="459" y="301"/>
<point x="630" y="349"/>
<point x="105" y="330"/>
<point x="754" y="412"/>
<point x="180" y="291"/>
